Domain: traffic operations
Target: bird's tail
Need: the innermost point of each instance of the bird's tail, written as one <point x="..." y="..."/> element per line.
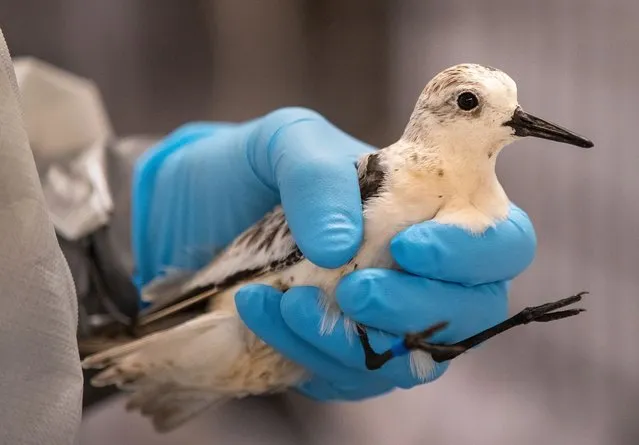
<point x="169" y="408"/>
<point x="177" y="373"/>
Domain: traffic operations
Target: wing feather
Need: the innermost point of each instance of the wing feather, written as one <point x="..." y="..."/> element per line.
<point x="266" y="247"/>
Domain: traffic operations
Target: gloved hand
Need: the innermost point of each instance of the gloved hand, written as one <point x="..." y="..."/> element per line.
<point x="206" y="183"/>
<point x="451" y="276"/>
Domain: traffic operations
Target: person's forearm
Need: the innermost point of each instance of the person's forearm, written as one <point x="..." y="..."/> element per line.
<point x="40" y="375"/>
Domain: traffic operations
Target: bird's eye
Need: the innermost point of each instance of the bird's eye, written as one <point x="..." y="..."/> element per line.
<point x="467" y="101"/>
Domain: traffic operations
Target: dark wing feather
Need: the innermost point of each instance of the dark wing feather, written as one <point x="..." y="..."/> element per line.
<point x="264" y="248"/>
<point x="371" y="174"/>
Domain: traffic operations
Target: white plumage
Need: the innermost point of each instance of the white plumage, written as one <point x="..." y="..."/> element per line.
<point x="442" y="168"/>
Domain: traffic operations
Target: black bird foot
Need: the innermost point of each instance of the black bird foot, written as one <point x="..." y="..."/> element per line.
<point x="411" y="342"/>
<point x="441" y="353"/>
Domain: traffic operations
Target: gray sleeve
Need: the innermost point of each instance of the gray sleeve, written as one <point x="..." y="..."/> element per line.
<point x="40" y="374"/>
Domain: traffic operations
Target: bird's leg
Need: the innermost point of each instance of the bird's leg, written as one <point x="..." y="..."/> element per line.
<point x="411" y="341"/>
<point x="442" y="353"/>
<point x="543" y="313"/>
<point x="373" y="359"/>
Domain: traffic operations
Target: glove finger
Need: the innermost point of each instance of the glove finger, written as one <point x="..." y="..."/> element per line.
<point x="303" y="314"/>
<point x="398" y="303"/>
<point x="259" y="309"/>
<point x="324" y="391"/>
<point x="312" y="164"/>
<point x="450" y="253"/>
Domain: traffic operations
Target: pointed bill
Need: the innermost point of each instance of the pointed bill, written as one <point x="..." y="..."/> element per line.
<point x="526" y="124"/>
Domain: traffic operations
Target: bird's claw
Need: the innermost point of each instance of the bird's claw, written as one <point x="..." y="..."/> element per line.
<point x="544" y="312"/>
<point x="416" y="341"/>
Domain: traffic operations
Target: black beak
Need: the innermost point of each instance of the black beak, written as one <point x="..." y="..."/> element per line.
<point x="528" y="125"/>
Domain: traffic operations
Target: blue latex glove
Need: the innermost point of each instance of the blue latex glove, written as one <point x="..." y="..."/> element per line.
<point x="206" y="183"/>
<point x="451" y="276"/>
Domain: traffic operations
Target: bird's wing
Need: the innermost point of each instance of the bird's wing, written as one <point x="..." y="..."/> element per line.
<point x="264" y="248"/>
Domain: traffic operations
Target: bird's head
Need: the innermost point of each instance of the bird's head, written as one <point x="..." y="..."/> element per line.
<point x="476" y="106"/>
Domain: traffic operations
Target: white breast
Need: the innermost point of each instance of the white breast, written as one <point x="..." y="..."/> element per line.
<point x="417" y="188"/>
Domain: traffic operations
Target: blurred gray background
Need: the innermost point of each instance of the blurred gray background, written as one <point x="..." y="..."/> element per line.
<point x="362" y="63"/>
